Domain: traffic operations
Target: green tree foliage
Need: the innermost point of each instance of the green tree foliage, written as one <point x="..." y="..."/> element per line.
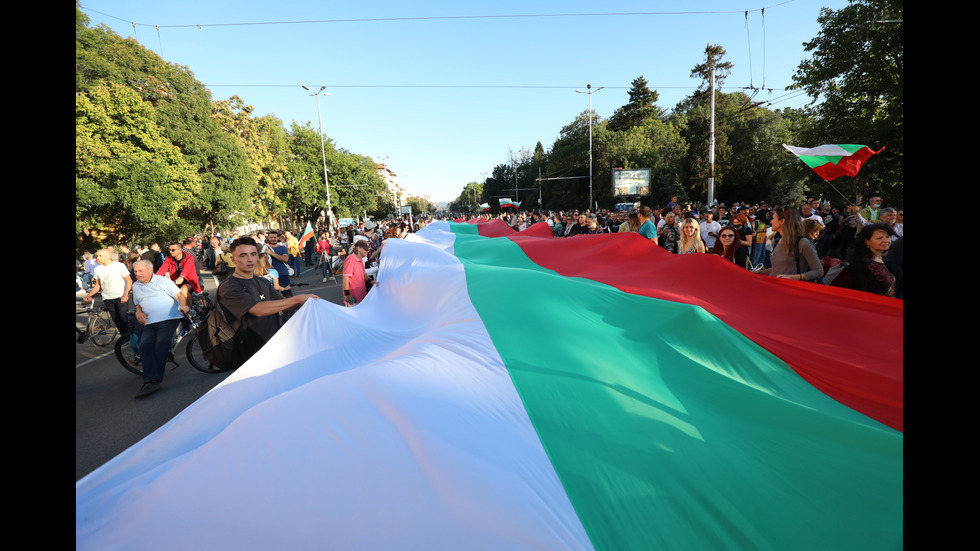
<point x="304" y="192"/>
<point x="856" y="68"/>
<point x="568" y="164"/>
<point x="469" y="199"/>
<point x="653" y="144"/>
<point x="759" y="164"/>
<point x="355" y="186"/>
<point x="181" y="108"/>
<point x="359" y="186"/>
<point x="714" y="56"/>
<point x="265" y="143"/>
<point x="641" y="106"/>
<point x="499" y="184"/>
<point x="421" y="206"/>
<point x="130" y="180"/>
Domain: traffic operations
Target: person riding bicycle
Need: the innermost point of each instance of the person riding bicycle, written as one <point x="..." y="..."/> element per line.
<point x="160" y="307"/>
<point x="112" y="279"/>
<point x="180" y="267"/>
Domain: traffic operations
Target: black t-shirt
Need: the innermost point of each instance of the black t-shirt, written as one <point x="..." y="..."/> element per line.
<point x="237" y="296"/>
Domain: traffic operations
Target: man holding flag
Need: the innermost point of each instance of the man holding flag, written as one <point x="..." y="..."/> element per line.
<point x="308" y="244"/>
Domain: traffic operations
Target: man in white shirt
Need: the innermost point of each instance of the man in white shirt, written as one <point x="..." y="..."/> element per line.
<point x="112" y="279"/>
<point x="709" y="230"/>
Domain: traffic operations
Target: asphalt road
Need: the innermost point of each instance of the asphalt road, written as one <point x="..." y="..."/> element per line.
<point x="107" y="418"/>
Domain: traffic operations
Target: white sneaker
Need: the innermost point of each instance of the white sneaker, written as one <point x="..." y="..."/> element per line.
<point x="324" y="280"/>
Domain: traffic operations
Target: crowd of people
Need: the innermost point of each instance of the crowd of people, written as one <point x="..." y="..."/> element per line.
<point x="816" y="242"/>
<point x="860" y="248"/>
<point x="255" y="274"/>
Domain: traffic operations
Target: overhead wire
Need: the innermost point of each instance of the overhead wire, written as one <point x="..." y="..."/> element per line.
<point x="433" y="18"/>
<point x="200" y="26"/>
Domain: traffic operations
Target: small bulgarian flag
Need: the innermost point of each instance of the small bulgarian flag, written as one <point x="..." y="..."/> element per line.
<point x="307" y="234"/>
<point x="830" y="161"/>
<point x="484" y="207"/>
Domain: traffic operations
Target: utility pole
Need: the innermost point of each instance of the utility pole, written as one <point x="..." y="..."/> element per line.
<point x="591" y="116"/>
<point x="323" y="152"/>
<point x="711" y="145"/>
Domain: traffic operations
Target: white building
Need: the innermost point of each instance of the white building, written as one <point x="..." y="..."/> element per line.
<point x="396" y="194"/>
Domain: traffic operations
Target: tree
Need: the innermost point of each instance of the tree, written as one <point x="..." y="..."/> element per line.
<point x="304" y="192"/>
<point x="181" y="107"/>
<point x="569" y="160"/>
<point x="130" y="180"/>
<point x="469" y="198"/>
<point x="856" y="68"/>
<point x="421" y="206"/>
<point x="641" y="106"/>
<point x="713" y="55"/>
<point x="654" y="144"/>
<point x="499" y="184"/>
<point x="266" y="146"/>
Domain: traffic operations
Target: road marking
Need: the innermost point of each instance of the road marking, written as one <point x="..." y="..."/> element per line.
<point x="90" y="360"/>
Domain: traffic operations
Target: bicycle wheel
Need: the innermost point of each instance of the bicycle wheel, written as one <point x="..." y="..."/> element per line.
<point x="101" y="329"/>
<point x="196" y="356"/>
<point x="129" y="356"/>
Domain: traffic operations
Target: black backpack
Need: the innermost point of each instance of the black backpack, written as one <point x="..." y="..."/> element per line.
<point x="221" y="341"/>
<point x="220" y="266"/>
<point x="224" y="343"/>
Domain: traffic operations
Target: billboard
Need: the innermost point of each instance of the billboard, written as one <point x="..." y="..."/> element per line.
<point x="631" y="182"/>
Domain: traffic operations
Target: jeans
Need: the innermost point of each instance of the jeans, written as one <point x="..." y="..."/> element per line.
<point x="326" y="264"/>
<point x="154" y="346"/>
<point x="119" y="313"/>
<point x="294" y="264"/>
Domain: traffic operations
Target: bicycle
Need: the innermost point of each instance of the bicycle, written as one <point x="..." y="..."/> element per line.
<point x="127" y="348"/>
<point x="99" y="328"/>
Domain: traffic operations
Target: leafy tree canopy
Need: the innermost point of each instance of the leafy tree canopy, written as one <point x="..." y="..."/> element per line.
<point x="129" y="178"/>
<point x="642" y="106"/>
<point x="856" y="69"/>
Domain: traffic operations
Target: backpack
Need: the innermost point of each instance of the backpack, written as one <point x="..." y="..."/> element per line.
<point x="221" y="341"/>
<point x="220" y="266"/>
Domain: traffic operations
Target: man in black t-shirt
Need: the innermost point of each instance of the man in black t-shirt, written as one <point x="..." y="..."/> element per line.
<point x="251" y="302"/>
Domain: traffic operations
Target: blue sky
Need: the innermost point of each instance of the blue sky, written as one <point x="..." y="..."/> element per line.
<point x="443" y="100"/>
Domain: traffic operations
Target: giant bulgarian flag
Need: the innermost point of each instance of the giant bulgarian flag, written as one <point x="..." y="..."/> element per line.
<point x="499" y="390"/>
<point x="831" y="161"/>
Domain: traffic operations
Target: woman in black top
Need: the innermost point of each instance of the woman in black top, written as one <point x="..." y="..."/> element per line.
<point x="868" y="270"/>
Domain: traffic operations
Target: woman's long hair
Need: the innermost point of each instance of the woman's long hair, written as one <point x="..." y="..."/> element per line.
<point x="686" y="242"/>
<point x="262" y="268"/>
<point x="728" y="253"/>
<point x="792" y="228"/>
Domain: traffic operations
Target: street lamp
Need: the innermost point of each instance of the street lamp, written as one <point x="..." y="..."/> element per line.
<point x="590" y="92"/>
<point x="323" y="152"/>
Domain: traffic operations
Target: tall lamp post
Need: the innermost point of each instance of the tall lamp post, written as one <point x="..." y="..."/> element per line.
<point x="591" y="114"/>
<point x="323" y="152"/>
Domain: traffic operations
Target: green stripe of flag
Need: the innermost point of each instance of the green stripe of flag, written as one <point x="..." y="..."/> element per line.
<point x="672" y="431"/>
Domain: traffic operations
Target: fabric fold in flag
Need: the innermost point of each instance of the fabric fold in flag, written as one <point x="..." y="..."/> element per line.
<point x="576" y="414"/>
<point x="831" y="161"/>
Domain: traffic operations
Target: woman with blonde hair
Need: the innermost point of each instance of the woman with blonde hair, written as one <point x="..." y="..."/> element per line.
<point x="691" y="241"/>
<point x="793" y="255"/>
<point x="265" y="269"/>
<point x="668" y="233"/>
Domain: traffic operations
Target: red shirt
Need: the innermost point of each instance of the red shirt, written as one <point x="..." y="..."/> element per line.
<point x="354" y="272"/>
<point x="185" y="269"/>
